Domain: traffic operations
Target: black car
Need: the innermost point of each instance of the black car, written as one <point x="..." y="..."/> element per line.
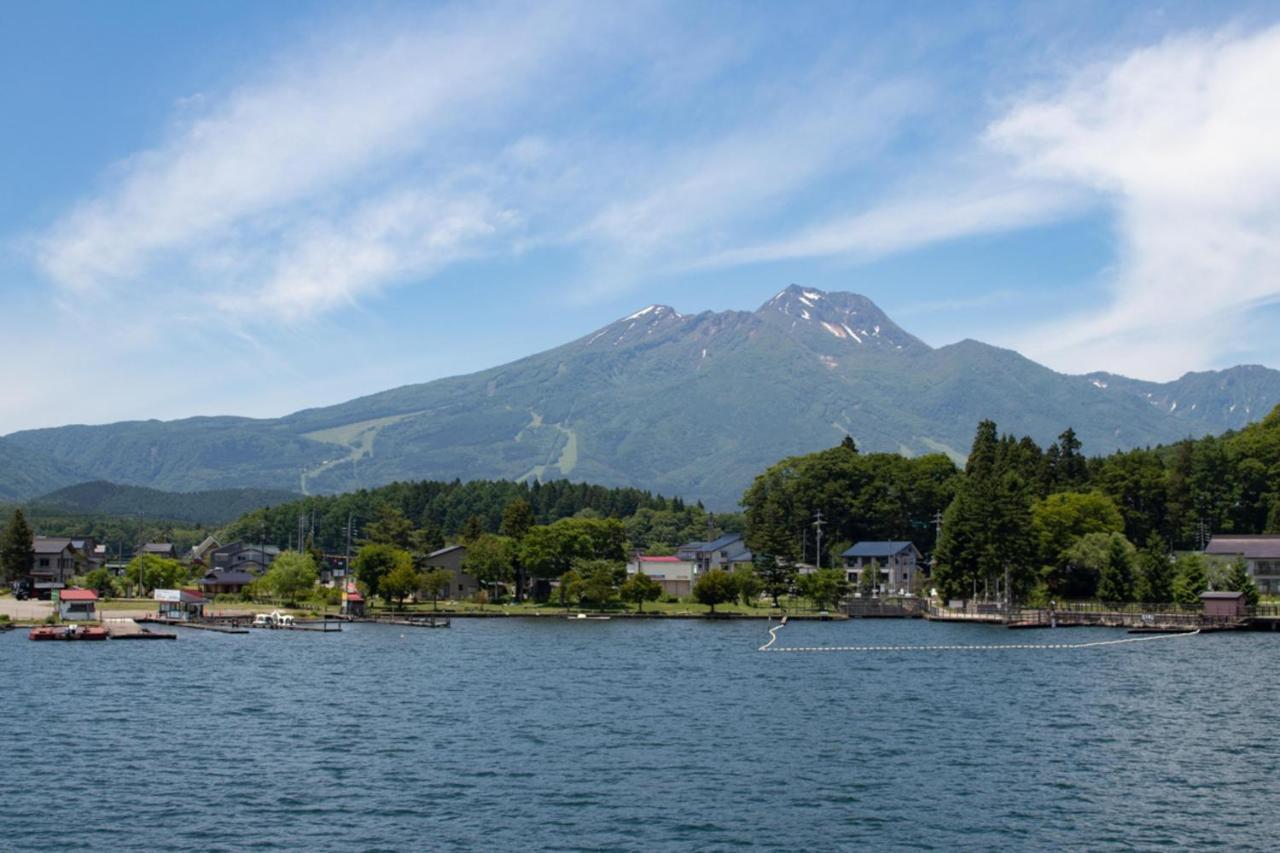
<point x="22" y="589"/>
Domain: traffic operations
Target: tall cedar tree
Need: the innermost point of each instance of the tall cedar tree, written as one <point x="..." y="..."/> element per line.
<point x="17" y="556"/>
<point x="986" y="531"/>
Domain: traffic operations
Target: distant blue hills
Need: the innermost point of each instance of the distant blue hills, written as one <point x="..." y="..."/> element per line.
<point x="687" y="404"/>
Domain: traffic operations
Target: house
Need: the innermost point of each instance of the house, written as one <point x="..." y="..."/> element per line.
<point x="226" y="581"/>
<point x="235" y="566"/>
<point x="203" y="552"/>
<point x="673" y="574"/>
<point x="727" y="552"/>
<point x="78" y="605"/>
<point x="180" y="604"/>
<point x="897" y="561"/>
<point x="352" y="601"/>
<point x="92" y="555"/>
<point x="1260" y="553"/>
<point x="246" y="558"/>
<point x="1227" y="605"/>
<point x="451" y="558"/>
<point x="56" y="560"/>
<point x="160" y="549"/>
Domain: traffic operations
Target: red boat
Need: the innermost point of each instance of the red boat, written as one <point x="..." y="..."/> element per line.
<point x="67" y="632"/>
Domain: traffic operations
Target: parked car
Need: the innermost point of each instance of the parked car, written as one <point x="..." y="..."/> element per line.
<point x="22" y="589"/>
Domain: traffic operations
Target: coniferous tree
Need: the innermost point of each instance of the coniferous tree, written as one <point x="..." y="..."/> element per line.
<point x="1115" y="581"/>
<point x="1156" y="572"/>
<point x="1191" y="580"/>
<point x="1238" y="580"/>
<point x="17" y="554"/>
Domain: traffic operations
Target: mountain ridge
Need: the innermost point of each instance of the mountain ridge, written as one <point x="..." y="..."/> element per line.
<point x="689" y="404"/>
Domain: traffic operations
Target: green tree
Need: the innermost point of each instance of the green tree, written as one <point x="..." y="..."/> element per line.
<point x="100" y="581"/>
<point x="570" y="587"/>
<point x="389" y="527"/>
<point x="776" y="574"/>
<point x="147" y="572"/>
<point x="599" y="580"/>
<point x="489" y="560"/>
<point x="473" y="529"/>
<point x="715" y="587"/>
<point x="1062" y="518"/>
<point x="869" y="578"/>
<point x="1191" y="579"/>
<point x="375" y="561"/>
<point x="824" y="587"/>
<point x="402" y="581"/>
<point x="987" y="531"/>
<point x="433" y="584"/>
<point x="1115" y="580"/>
<point x="1155" y="572"/>
<point x="749" y="585"/>
<point x="1238" y="580"/>
<point x="17" y="554"/>
<point x="291" y="577"/>
<point x="639" y="588"/>
<point x="1082" y="566"/>
<point x="517" y="518"/>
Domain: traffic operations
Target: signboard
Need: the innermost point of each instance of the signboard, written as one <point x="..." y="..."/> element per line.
<point x="168" y="595"/>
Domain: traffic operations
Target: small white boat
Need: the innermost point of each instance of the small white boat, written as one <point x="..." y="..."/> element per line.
<point x="583" y="616"/>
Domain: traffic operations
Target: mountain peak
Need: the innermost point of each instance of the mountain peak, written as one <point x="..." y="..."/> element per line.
<point x="847" y="318"/>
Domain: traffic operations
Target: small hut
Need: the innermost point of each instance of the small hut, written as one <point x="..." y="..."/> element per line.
<point x="1226" y="604"/>
<point x="78" y="605"/>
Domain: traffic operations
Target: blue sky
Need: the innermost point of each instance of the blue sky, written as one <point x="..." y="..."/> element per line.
<point x="251" y="208"/>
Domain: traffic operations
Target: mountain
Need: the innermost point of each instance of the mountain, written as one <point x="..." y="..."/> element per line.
<point x="218" y="506"/>
<point x="689" y="404"/>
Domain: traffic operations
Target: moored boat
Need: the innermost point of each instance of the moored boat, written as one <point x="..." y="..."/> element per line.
<point x="67" y="632"/>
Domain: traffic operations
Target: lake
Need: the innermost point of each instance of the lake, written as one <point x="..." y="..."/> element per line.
<point x="637" y="735"/>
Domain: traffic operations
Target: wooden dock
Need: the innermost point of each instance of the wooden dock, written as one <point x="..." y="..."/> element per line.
<point x="129" y="629"/>
<point x="196" y="626"/>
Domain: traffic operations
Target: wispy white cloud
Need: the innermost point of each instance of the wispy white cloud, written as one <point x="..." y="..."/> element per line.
<point x="1181" y="138"/>
<point x="912" y="221"/>
<point x="320" y="131"/>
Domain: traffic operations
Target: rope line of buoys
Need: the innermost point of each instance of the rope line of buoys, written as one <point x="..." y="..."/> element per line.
<point x="992" y="647"/>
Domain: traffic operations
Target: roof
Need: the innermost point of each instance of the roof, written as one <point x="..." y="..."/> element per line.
<point x="1252" y="547"/>
<point x="51" y="544"/>
<point x="661" y="560"/>
<point x="722" y="543"/>
<point x="877" y="549"/>
<point x="157" y="548"/>
<point x="354" y="596"/>
<point x="76" y="594"/>
<point x="1226" y="594"/>
<point x="445" y="550"/>
<point x="230" y="576"/>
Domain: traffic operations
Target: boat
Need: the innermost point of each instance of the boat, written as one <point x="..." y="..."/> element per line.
<point x="274" y="619"/>
<point x="67" y="632"/>
<point x="583" y="616"/>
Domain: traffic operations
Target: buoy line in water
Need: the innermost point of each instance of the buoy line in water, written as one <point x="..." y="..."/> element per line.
<point x="773" y="638"/>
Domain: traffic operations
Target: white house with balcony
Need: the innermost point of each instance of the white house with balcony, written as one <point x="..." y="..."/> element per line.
<point x="1260" y="553"/>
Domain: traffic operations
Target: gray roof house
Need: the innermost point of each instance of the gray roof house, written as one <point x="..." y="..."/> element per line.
<point x="450" y="559"/>
<point x="723" y="552"/>
<point x="56" y="559"/>
<point x="898" y="563"/>
<point x="1260" y="553"/>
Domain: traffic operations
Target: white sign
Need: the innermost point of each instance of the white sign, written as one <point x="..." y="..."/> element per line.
<point x="168" y="595"/>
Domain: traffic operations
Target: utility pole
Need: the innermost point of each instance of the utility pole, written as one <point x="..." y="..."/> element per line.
<point x="817" y="526"/>
<point x="346" y="569"/>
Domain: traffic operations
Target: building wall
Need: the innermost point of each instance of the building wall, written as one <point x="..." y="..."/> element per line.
<point x="462" y="585"/>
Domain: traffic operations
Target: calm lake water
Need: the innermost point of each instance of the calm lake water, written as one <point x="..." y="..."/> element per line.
<point x="637" y="735"/>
